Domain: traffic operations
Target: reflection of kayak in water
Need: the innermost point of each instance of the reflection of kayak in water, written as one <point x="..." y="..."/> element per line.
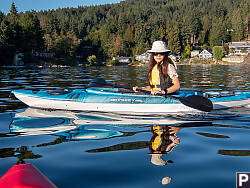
<point x="82" y="134"/>
<point x="59" y="123"/>
<point x="25" y="176"/>
<point x="40" y="125"/>
<point x="102" y="118"/>
<point x="111" y="100"/>
<point x="73" y="125"/>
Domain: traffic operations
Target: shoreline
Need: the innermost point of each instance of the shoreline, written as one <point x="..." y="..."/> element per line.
<point x="188" y="61"/>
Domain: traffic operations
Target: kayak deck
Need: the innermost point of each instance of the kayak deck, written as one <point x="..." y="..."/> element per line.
<point x="94" y="95"/>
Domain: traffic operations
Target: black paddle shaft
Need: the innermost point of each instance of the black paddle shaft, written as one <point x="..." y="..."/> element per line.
<point x="193" y="101"/>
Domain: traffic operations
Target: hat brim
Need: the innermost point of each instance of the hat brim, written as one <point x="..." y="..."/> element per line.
<point x="160" y="51"/>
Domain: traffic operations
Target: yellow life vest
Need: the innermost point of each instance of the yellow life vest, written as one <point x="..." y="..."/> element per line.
<point x="155" y="78"/>
<point x="158" y="139"/>
<point x="157" y="142"/>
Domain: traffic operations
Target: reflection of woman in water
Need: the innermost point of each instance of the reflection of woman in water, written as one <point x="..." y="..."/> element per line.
<point x="163" y="141"/>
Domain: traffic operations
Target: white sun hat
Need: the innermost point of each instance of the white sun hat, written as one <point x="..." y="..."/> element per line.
<point x="159" y="46"/>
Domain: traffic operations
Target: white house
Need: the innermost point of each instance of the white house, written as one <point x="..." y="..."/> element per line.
<point x="43" y="54"/>
<point x="143" y="57"/>
<point x="239" y="48"/>
<point x="125" y="60"/>
<point x="205" y="54"/>
<point x="195" y="53"/>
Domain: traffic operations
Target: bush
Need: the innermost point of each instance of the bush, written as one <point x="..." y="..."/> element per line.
<point x="218" y="53"/>
<point x="112" y="62"/>
<point x="92" y="60"/>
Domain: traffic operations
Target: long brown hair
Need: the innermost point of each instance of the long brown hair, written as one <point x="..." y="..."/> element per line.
<point x="162" y="67"/>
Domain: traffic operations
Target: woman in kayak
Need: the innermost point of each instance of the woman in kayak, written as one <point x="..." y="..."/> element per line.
<point x="162" y="76"/>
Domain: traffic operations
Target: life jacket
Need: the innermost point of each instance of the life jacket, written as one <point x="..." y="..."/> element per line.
<point x="161" y="141"/>
<point x="159" y="81"/>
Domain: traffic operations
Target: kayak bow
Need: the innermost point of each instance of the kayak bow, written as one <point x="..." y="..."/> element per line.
<point x="23" y="176"/>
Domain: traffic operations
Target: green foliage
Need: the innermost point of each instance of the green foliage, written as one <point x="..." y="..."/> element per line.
<point x="217" y="53"/>
<point x="187" y="53"/>
<point x="112" y="62"/>
<point x="19" y="32"/>
<point x="174" y="43"/>
<point x="205" y="47"/>
<point x="13" y="10"/>
<point x="127" y="28"/>
<point x="32" y="34"/>
<point x="92" y="60"/>
<point x="238" y="26"/>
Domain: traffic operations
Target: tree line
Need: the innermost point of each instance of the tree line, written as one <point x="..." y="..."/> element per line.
<point x="127" y="28"/>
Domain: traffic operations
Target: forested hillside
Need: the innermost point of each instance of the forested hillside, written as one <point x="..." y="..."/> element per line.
<point x="127" y="28"/>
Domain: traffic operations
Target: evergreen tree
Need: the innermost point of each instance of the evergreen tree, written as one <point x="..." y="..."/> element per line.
<point x="174" y="40"/>
<point x="238" y="28"/>
<point x="216" y="37"/>
<point x="7" y="44"/>
<point x="162" y="33"/>
<point x="32" y="35"/>
<point x="126" y="28"/>
<point x="2" y="16"/>
<point x="13" y="10"/>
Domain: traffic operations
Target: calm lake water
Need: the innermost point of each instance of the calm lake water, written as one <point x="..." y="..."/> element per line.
<point x="90" y="149"/>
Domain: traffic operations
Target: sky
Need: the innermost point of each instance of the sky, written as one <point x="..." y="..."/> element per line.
<point x="37" y="5"/>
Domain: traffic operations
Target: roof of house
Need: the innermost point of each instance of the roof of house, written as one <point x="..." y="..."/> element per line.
<point x="245" y="44"/>
<point x="206" y="52"/>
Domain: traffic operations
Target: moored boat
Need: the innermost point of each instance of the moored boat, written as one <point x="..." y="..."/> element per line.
<point x="114" y="100"/>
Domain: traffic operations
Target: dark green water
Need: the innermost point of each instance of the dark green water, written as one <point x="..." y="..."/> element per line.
<point x="87" y="149"/>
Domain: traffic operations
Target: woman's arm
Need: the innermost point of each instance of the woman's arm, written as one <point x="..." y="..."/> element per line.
<point x="175" y="80"/>
<point x="174" y="87"/>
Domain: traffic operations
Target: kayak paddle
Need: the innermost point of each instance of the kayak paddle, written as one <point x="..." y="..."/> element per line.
<point x="193" y="101"/>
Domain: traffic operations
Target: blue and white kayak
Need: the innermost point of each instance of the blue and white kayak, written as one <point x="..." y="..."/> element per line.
<point x="112" y="100"/>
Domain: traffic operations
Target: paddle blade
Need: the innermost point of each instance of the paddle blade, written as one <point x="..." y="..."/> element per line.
<point x="198" y="102"/>
<point x="98" y="82"/>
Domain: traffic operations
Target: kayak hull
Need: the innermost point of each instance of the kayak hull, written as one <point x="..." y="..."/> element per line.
<point x="99" y="100"/>
<point x="25" y="176"/>
<point x="104" y="107"/>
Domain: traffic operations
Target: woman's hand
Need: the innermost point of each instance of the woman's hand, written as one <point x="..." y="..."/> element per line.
<point x="155" y="92"/>
<point x="135" y="88"/>
<point x="173" y="129"/>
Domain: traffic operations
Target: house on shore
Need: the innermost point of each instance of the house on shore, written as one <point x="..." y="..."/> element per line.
<point x="205" y="54"/>
<point x="239" y="48"/>
<point x="234" y="59"/>
<point x="238" y="52"/>
<point x="42" y="54"/>
<point x="123" y="60"/>
<point x="143" y="57"/>
<point x="195" y="53"/>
